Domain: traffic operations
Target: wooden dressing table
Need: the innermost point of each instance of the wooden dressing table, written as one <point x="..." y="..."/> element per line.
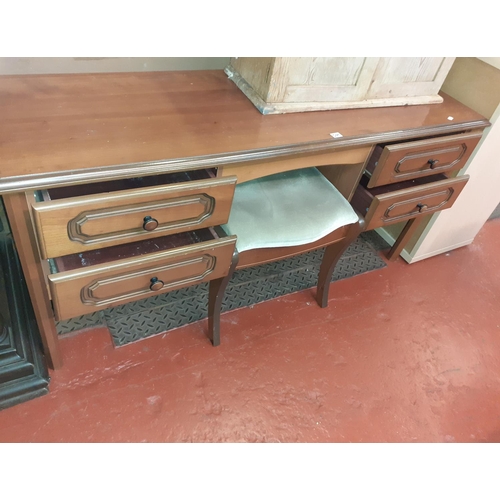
<point x="110" y="180"/>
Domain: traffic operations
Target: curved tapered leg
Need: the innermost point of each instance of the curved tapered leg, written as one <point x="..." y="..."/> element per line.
<point x="216" y="289"/>
<point x="332" y="255"/>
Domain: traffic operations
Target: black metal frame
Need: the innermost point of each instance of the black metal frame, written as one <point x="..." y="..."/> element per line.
<point x="23" y="370"/>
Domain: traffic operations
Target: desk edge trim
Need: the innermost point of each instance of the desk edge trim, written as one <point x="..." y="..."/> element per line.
<point x="141" y="169"/>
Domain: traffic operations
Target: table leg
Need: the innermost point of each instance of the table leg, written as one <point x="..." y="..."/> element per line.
<point x="216" y="289"/>
<point x="331" y="256"/>
<point x="18" y="212"/>
<point x="403" y="239"/>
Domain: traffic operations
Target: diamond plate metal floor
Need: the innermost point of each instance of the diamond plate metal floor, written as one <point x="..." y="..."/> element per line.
<point x="141" y="319"/>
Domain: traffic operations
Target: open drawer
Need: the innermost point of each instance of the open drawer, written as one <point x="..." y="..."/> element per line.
<point x="386" y="205"/>
<point x="80" y="218"/>
<point x="90" y="281"/>
<point x="410" y="160"/>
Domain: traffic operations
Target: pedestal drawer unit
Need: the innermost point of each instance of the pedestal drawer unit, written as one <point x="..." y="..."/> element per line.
<point x="118" y="241"/>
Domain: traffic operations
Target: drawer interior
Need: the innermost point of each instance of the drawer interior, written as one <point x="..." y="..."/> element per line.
<point x="374" y="158"/>
<point x="136" y="249"/>
<point x="59" y="193"/>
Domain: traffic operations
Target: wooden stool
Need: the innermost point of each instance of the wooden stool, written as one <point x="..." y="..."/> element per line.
<point x="263" y="212"/>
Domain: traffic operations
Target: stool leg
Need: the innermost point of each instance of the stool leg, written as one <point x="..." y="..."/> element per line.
<point x="332" y="255"/>
<point x="216" y="289"/>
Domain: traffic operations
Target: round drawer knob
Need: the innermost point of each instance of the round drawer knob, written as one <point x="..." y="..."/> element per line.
<point x="432" y="163"/>
<point x="156" y="284"/>
<point x="149" y="223"/>
<point x="421" y="207"/>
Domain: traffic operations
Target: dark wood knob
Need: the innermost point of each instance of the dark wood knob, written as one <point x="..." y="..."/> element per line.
<point x="432" y="163"/>
<point x="421" y="207"/>
<point x="149" y="223"/>
<point x="156" y="284"/>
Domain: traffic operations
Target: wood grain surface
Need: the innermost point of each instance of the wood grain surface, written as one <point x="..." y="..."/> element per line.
<point x="84" y="223"/>
<point x="399" y="162"/>
<point x="58" y="123"/>
<point x="389" y="204"/>
<point x="89" y="289"/>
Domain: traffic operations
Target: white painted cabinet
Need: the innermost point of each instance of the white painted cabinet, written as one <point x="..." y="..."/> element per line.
<point x="292" y="84"/>
<point x="475" y="83"/>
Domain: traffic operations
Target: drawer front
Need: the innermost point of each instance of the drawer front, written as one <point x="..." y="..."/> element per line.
<point x="74" y="225"/>
<point x="400" y="162"/>
<point x="405" y="204"/>
<point x="83" y="291"/>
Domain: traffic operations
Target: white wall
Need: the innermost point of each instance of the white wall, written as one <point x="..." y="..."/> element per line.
<point x="459" y="226"/>
<point x="493" y="61"/>
<point x="478" y="86"/>
<point x="51" y="65"/>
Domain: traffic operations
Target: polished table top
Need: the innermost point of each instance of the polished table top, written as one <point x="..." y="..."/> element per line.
<point x="70" y="123"/>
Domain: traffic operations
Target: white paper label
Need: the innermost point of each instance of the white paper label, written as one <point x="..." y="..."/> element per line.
<point x="336" y="135"/>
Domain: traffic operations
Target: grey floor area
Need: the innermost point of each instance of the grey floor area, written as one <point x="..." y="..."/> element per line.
<point x="141" y="319"/>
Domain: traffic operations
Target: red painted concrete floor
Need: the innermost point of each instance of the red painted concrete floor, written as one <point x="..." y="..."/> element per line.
<point x="409" y="353"/>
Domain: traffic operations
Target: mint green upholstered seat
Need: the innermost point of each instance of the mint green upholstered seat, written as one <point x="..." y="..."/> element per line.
<point x="288" y="209"/>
